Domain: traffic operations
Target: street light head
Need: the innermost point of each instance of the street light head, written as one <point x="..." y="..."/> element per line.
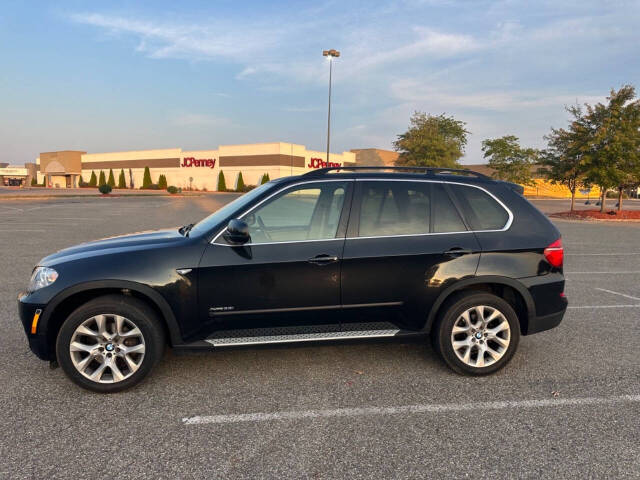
<point x="330" y="53"/>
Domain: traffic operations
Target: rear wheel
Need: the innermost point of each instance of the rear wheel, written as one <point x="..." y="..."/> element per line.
<point x="110" y="343"/>
<point x="477" y="333"/>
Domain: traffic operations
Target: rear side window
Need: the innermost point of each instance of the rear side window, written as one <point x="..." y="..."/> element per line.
<point x="445" y="215"/>
<point x="394" y="208"/>
<point x="481" y="210"/>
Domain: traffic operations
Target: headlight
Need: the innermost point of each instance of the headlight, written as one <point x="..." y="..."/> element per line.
<point x="42" y="277"/>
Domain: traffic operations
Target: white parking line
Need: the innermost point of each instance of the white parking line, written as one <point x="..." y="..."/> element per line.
<point x="603" y="306"/>
<point x="621" y="254"/>
<point x="618" y="293"/>
<point x="409" y="409"/>
<point x="627" y="272"/>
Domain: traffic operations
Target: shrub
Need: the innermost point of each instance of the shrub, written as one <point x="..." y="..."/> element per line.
<point x="122" y="182"/>
<point x="247" y="188"/>
<point x="146" y="179"/>
<point x="240" y="183"/>
<point x="34" y="182"/>
<point x="265" y="179"/>
<point x="93" y="181"/>
<point x="222" y="184"/>
<point x="172" y="190"/>
<point x="112" y="181"/>
<point x="102" y="180"/>
<point x="105" y="188"/>
<point x="162" y="182"/>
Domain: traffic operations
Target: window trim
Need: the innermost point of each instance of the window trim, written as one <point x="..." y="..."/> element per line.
<point x="346" y="204"/>
<point x="352" y="234"/>
<point x="350" y="205"/>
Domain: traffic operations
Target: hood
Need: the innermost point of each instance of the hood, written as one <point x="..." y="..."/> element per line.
<point x="116" y="244"/>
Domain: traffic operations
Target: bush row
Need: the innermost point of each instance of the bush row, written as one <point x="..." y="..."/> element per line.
<point x="147" y="183"/>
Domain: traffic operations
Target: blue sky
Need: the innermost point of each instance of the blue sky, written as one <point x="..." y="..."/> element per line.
<point x="119" y="75"/>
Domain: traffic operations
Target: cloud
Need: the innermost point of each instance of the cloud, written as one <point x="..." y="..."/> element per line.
<point x="210" y="40"/>
<point x="415" y="92"/>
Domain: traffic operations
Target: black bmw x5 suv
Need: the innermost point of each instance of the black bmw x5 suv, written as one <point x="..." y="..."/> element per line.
<point x="329" y="255"/>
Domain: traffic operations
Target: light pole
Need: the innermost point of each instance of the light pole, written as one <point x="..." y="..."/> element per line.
<point x="330" y="54"/>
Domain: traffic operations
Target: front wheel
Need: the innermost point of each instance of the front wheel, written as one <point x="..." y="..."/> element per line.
<point x="477" y="333"/>
<point x="110" y="343"/>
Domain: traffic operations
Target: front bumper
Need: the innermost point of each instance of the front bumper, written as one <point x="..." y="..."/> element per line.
<point x="38" y="342"/>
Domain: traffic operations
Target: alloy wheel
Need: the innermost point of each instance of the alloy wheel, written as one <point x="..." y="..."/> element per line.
<point x="107" y="348"/>
<point x="480" y="336"/>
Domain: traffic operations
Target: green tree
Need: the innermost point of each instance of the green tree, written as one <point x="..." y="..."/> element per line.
<point x="122" y="182"/>
<point x="34" y="182"/>
<point x="146" y="179"/>
<point x="509" y="160"/>
<point x="432" y="141"/>
<point x="240" y="183"/>
<point x="222" y="184"/>
<point x="93" y="181"/>
<point x="265" y="179"/>
<point x="613" y="151"/>
<point x="563" y="161"/>
<point x="80" y="181"/>
<point x="112" y="181"/>
<point x="162" y="182"/>
<point x="101" y="180"/>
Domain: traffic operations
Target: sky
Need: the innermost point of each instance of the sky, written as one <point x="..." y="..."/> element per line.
<point x="128" y="75"/>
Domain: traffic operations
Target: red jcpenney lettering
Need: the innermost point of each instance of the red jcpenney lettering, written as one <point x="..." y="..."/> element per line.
<point x="319" y="163"/>
<point x="198" y="162"/>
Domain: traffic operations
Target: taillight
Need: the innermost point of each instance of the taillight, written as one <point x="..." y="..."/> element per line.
<point x="554" y="253"/>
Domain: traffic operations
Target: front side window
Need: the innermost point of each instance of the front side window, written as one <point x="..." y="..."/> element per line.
<point x="394" y="208"/>
<point x="306" y="212"/>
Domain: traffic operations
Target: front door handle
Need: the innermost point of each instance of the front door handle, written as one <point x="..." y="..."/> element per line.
<point x="323" y="259"/>
<point x="457" y="252"/>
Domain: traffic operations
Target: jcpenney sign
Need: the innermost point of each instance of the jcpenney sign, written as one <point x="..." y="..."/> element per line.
<point x="198" y="162"/>
<point x="319" y="163"/>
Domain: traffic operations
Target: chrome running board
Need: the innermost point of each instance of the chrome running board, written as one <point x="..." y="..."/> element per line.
<point x="318" y="333"/>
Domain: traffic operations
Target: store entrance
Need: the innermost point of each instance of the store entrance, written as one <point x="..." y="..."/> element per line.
<point x="13" y="182"/>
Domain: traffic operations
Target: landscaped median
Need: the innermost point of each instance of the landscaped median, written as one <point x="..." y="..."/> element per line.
<point x="598" y="215"/>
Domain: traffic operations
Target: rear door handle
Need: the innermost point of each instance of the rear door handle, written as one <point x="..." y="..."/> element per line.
<point x="323" y="259"/>
<point x="457" y="251"/>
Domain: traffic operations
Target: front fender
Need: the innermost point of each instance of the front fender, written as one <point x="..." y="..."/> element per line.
<point x="143" y="290"/>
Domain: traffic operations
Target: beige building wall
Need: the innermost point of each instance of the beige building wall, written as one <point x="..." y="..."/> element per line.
<point x="278" y="159"/>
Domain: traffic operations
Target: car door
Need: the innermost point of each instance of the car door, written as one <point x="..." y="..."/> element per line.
<point x="406" y="242"/>
<point x="288" y="274"/>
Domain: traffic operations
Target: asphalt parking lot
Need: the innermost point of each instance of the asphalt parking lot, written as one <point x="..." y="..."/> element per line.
<point x="568" y="405"/>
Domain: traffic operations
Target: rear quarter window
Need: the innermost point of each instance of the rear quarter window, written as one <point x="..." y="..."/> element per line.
<point x="481" y="210"/>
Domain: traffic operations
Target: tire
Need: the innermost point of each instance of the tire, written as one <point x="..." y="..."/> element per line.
<point x="490" y="347"/>
<point x="117" y="340"/>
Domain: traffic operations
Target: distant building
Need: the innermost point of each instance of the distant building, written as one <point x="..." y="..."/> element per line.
<point x="187" y="169"/>
<point x="374" y="157"/>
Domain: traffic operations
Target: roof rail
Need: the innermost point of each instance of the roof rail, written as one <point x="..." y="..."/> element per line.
<point x="429" y="171"/>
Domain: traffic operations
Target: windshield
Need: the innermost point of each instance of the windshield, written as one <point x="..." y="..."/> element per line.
<point x="206" y="224"/>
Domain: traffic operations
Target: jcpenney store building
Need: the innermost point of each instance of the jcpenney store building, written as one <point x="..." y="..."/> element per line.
<point x="187" y="169"/>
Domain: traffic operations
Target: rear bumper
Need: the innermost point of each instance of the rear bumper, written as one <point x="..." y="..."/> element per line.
<point x="549" y="302"/>
<point x="546" y="322"/>
<point x="38" y="342"/>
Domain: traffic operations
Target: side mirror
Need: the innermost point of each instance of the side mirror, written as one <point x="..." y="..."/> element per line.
<point x="237" y="232"/>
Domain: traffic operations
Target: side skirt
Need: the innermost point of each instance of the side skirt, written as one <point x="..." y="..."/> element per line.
<point x="316" y="333"/>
